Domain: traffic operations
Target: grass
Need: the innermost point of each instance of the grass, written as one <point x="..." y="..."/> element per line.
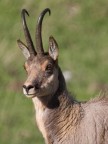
<point x="81" y="29"/>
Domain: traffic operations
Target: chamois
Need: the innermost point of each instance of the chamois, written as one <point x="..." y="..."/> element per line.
<point x="60" y="118"/>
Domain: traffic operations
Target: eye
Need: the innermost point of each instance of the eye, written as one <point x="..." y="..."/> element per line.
<point x="49" y="69"/>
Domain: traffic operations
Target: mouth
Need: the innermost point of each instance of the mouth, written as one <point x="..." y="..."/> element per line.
<point x="33" y="94"/>
<point x="30" y="95"/>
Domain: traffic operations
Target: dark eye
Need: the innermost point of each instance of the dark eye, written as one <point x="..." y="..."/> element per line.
<point x="49" y="69"/>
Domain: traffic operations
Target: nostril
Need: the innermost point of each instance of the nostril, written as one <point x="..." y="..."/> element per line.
<point x="24" y="86"/>
<point x="30" y="87"/>
<point x="27" y="88"/>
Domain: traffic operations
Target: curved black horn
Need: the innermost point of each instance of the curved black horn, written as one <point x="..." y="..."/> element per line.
<point x="27" y="33"/>
<point x="39" y="45"/>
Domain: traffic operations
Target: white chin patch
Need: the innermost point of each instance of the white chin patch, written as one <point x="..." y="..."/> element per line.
<point x="29" y="95"/>
<point x="24" y="92"/>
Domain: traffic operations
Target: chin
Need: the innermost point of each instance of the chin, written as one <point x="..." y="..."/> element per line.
<point x="29" y="96"/>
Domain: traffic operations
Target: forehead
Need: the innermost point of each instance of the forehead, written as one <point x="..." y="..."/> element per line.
<point x="40" y="61"/>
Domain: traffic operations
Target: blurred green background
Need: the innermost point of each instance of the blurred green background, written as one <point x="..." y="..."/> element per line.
<point x="81" y="30"/>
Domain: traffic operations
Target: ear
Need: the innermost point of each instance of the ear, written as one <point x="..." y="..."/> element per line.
<point x="24" y="49"/>
<point x="53" y="48"/>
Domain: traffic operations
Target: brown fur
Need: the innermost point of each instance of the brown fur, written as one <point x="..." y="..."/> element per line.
<point x="60" y="118"/>
<point x="72" y="122"/>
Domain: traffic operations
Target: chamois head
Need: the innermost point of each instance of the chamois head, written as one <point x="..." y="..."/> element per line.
<point x="41" y="67"/>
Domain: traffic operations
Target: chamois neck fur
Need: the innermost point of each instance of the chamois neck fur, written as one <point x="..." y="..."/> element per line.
<point x="61" y="110"/>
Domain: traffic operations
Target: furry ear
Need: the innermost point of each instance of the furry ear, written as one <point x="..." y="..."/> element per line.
<point x="24" y="49"/>
<point x="53" y="48"/>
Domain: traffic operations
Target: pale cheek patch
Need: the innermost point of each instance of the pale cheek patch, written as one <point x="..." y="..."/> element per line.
<point x="51" y="84"/>
<point x="49" y="81"/>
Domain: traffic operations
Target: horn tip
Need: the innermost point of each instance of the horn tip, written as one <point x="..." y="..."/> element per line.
<point x="48" y="10"/>
<point x="24" y="11"/>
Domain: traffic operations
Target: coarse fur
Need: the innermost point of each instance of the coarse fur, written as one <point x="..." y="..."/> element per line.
<point x="73" y="122"/>
<point x="60" y="118"/>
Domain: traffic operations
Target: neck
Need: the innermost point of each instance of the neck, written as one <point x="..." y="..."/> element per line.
<point x="60" y="110"/>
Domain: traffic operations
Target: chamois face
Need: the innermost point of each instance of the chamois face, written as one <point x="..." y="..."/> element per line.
<point x="41" y="67"/>
<point x="42" y="77"/>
